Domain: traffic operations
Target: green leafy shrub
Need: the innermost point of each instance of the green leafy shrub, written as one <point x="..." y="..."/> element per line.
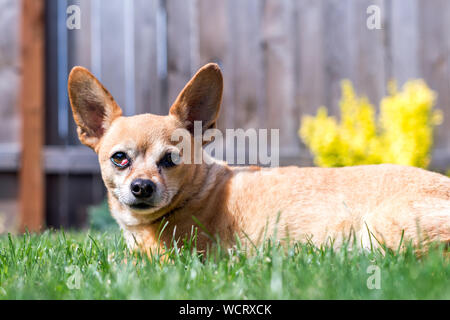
<point x="402" y="133"/>
<point x="100" y="218"/>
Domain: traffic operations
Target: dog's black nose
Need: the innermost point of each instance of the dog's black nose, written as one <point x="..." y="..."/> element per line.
<point x="142" y="189"/>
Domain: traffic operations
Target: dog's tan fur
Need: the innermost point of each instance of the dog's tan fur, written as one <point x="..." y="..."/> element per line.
<point x="376" y="202"/>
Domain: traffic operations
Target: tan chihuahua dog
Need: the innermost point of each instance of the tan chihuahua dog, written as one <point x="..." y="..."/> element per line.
<point x="377" y="203"/>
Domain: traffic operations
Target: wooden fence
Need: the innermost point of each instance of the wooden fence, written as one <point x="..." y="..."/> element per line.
<point x="281" y="59"/>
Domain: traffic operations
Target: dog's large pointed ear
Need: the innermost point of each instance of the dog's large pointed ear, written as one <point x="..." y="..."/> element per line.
<point x="200" y="99"/>
<point x="93" y="107"/>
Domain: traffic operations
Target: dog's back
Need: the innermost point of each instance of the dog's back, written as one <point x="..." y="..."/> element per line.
<point x="378" y="202"/>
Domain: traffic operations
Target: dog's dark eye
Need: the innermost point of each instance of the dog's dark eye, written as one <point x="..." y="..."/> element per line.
<point x="120" y="159"/>
<point x="167" y="161"/>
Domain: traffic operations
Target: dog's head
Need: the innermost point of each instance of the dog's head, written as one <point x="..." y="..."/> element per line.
<point x="136" y="154"/>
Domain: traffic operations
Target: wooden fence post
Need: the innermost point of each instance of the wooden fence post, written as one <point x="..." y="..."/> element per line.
<point x="32" y="180"/>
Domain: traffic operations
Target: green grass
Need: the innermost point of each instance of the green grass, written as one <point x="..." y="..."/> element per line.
<point x="40" y="266"/>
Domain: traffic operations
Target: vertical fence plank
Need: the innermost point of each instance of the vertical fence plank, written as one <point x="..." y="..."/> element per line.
<point x="446" y="127"/>
<point x="279" y="72"/>
<point x="148" y="83"/>
<point x="95" y="33"/>
<point x="434" y="48"/>
<point x="338" y="49"/>
<point x="52" y="136"/>
<point x="9" y="112"/>
<point x="113" y="50"/>
<point x="80" y="40"/>
<point x="245" y="64"/>
<point x="129" y="56"/>
<point x="213" y="47"/>
<point x="404" y="41"/>
<point x="309" y="89"/>
<point x="212" y="29"/>
<point x="55" y="186"/>
<point x="181" y="45"/>
<point x="9" y="74"/>
<point x="79" y="43"/>
<point x="32" y="106"/>
<point x="309" y="56"/>
<point x="66" y="126"/>
<point x="369" y="56"/>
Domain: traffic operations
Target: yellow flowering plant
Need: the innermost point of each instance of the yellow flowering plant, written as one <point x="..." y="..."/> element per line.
<point x="402" y="133"/>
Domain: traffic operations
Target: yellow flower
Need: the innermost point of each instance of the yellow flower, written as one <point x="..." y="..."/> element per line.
<point x="402" y="134"/>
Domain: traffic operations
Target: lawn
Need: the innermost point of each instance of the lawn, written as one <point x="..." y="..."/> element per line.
<point x="96" y="265"/>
